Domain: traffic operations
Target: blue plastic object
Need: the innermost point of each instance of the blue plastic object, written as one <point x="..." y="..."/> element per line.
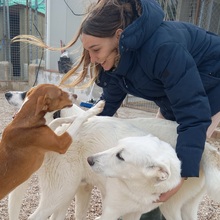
<point x="86" y="104"/>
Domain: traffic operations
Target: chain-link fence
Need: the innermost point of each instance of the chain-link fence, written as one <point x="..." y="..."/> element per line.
<point x="204" y="13"/>
<point x="19" y="17"/>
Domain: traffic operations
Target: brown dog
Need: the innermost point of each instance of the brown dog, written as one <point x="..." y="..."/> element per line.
<point x="26" y="139"/>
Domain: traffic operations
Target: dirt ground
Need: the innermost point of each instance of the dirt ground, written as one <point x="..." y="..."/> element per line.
<point x="208" y="210"/>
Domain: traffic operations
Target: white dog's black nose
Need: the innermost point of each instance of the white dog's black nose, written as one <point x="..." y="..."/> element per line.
<point x="8" y="95"/>
<point x="90" y="161"/>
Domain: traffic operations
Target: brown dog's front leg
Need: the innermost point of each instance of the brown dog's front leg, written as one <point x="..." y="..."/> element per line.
<point x="61" y="143"/>
<point x="65" y="141"/>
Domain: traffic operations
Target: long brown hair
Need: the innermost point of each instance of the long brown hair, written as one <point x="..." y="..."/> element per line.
<point x="102" y="20"/>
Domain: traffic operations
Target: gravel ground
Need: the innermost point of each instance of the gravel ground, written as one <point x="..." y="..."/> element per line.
<point x="208" y="210"/>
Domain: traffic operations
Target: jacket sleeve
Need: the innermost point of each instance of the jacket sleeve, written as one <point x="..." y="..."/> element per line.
<point x="178" y="72"/>
<point x="112" y="94"/>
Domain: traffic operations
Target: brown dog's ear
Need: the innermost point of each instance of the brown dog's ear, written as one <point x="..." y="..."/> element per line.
<point x="42" y="104"/>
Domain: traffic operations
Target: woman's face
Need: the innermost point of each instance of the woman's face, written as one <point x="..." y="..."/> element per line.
<point x="102" y="51"/>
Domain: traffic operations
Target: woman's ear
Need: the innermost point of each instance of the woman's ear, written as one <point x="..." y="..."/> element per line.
<point x="118" y="33"/>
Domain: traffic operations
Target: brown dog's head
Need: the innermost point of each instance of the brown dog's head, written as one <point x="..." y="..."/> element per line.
<point x="50" y="98"/>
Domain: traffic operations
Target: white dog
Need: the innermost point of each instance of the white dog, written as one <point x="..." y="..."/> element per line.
<point x="146" y="166"/>
<point x="140" y="169"/>
<point x="63" y="176"/>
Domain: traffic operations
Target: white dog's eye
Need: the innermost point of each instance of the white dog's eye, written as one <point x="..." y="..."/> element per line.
<point x="118" y="155"/>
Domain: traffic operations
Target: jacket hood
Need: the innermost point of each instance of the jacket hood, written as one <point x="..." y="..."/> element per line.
<point x="143" y="27"/>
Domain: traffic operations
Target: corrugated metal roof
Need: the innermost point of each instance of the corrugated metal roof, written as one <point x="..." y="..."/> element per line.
<point x="39" y="4"/>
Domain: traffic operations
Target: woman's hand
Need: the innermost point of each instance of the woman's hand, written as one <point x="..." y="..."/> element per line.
<point x="165" y="196"/>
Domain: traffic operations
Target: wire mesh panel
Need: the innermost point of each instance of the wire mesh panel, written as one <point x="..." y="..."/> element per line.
<point x="19" y="17"/>
<point x="204" y="13"/>
<point x="139" y="103"/>
<point x="170" y="9"/>
<point x="209" y="15"/>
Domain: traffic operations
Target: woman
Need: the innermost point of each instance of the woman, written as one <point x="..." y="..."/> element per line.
<point x="130" y="49"/>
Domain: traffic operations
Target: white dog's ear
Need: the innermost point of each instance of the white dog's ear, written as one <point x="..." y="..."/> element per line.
<point x="163" y="172"/>
<point x="157" y="172"/>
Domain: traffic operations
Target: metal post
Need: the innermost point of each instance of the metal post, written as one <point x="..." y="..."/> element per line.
<point x="198" y="5"/>
<point x="36" y="25"/>
<point x="210" y="13"/>
<point x="27" y="28"/>
<point x="4" y="44"/>
<point x="8" y="41"/>
<point x="30" y="30"/>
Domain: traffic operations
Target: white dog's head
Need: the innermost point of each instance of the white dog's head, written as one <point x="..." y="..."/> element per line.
<point x="15" y="98"/>
<point x="139" y="158"/>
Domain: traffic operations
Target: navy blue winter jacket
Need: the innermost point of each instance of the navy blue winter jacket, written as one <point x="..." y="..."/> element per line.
<point x="174" y="64"/>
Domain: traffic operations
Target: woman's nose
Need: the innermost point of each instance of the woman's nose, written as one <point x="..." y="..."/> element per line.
<point x="93" y="58"/>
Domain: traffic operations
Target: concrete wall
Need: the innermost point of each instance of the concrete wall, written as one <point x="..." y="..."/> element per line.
<point x="55" y="78"/>
<point x="63" y="25"/>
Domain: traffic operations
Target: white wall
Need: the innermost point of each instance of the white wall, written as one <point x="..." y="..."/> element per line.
<point x="93" y="92"/>
<point x="63" y="25"/>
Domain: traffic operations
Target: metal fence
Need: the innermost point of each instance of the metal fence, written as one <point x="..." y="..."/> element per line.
<point x="204" y="13"/>
<point x="19" y="17"/>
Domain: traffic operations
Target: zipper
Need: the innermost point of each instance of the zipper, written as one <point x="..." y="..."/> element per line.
<point x="124" y="81"/>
